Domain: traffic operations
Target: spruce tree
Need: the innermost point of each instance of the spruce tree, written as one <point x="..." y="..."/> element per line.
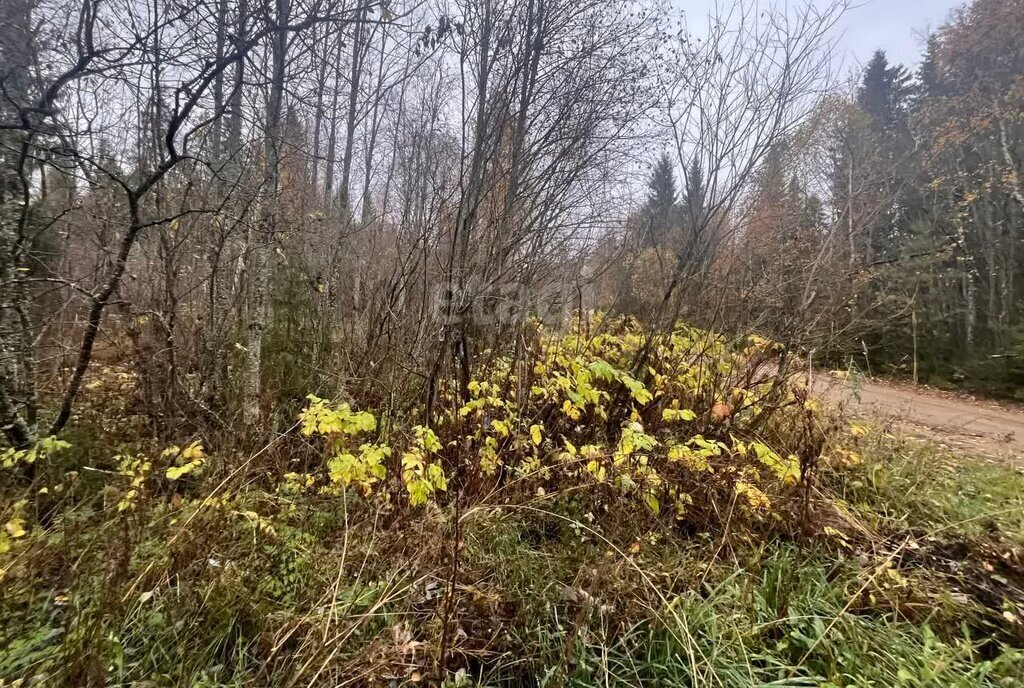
<point x="661" y="202"/>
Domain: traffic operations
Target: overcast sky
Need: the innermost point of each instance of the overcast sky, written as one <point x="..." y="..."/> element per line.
<point x="895" y="26"/>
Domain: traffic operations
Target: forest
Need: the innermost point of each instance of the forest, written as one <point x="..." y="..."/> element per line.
<point x="481" y="343"/>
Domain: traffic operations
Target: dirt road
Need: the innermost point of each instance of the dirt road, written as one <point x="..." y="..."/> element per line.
<point x="980" y="427"/>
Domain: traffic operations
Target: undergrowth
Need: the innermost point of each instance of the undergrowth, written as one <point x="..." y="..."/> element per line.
<point x="597" y="511"/>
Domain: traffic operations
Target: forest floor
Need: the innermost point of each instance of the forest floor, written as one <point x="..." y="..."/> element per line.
<point x="991" y="429"/>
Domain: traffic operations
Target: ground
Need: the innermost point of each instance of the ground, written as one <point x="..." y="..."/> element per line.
<point x="959" y="422"/>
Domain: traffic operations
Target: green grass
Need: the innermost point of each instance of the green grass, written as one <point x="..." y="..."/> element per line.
<point x="910" y="484"/>
<point x="781" y="614"/>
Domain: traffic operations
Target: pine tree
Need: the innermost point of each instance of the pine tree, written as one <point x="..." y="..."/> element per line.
<point x="698" y="239"/>
<point x="929" y="83"/>
<point x="884" y="92"/>
<point x="661" y="202"/>
<point x="873" y="174"/>
<point x="695" y="198"/>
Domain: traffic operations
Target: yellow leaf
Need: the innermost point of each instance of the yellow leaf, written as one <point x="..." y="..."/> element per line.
<point x="535" y="434"/>
<point x="652" y="503"/>
<point x="16" y="527"/>
<point x="858" y="430"/>
<point x="177" y="472"/>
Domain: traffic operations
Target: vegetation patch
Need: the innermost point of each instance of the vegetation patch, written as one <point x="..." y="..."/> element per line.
<point x="605" y="510"/>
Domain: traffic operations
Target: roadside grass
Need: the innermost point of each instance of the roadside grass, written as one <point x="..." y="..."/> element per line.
<point x="907" y="483"/>
<point x="916" y="583"/>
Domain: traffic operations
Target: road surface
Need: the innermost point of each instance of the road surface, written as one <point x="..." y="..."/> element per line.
<point x="981" y="427"/>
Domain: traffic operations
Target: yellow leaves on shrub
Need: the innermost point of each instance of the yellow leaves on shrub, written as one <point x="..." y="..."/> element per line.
<point x="575" y="377"/>
<point x="594" y="456"/>
<point x="756" y="344"/>
<point x="690" y="459"/>
<point x="637" y="389"/>
<point x="473" y="406"/>
<point x="15" y="527"/>
<point x="755" y="498"/>
<point x="345" y="466"/>
<point x="500" y="427"/>
<point x="570" y="451"/>
<point x="848" y="457"/>
<point x="602" y="369"/>
<point x="138" y="469"/>
<point x="634" y="439"/>
<point x="652" y="502"/>
<point x="187" y="461"/>
<point x="597" y="470"/>
<point x="47" y="446"/>
<point x="321" y="418"/>
<point x="671" y="415"/>
<point x="859" y="430"/>
<point x="295" y="483"/>
<point x="128" y="501"/>
<point x="427" y="439"/>
<point x="485" y="395"/>
<point x="694" y="454"/>
<point x="681" y="501"/>
<point x="560" y="382"/>
<point x="363" y="470"/>
<point x="489" y="460"/>
<point x="420" y="477"/>
<point x="785" y="469"/>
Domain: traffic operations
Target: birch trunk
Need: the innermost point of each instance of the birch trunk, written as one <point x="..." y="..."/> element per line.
<point x="261" y="265"/>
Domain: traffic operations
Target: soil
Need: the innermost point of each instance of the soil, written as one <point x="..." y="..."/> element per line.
<point x="991" y="429"/>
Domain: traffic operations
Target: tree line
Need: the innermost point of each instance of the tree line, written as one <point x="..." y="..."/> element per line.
<point x="238" y="204"/>
<point x="886" y="232"/>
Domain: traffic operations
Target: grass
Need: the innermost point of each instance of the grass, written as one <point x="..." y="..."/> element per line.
<point x="906" y="483"/>
<point x="918" y="585"/>
<point x="778" y="614"/>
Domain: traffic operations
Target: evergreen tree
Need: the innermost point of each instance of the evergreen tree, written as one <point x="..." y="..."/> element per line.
<point x="929" y="84"/>
<point x="873" y="176"/>
<point x="695" y="198"/>
<point x="661" y="202"/>
<point x="884" y="92"/>
<point x="17" y="90"/>
<point x="699" y="239"/>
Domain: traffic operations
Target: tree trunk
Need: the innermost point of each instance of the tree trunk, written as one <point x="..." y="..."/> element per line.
<point x="358" y="50"/>
<point x="332" y="138"/>
<point x="261" y="265"/>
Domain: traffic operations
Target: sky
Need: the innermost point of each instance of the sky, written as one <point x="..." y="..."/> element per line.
<point x="895" y="26"/>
